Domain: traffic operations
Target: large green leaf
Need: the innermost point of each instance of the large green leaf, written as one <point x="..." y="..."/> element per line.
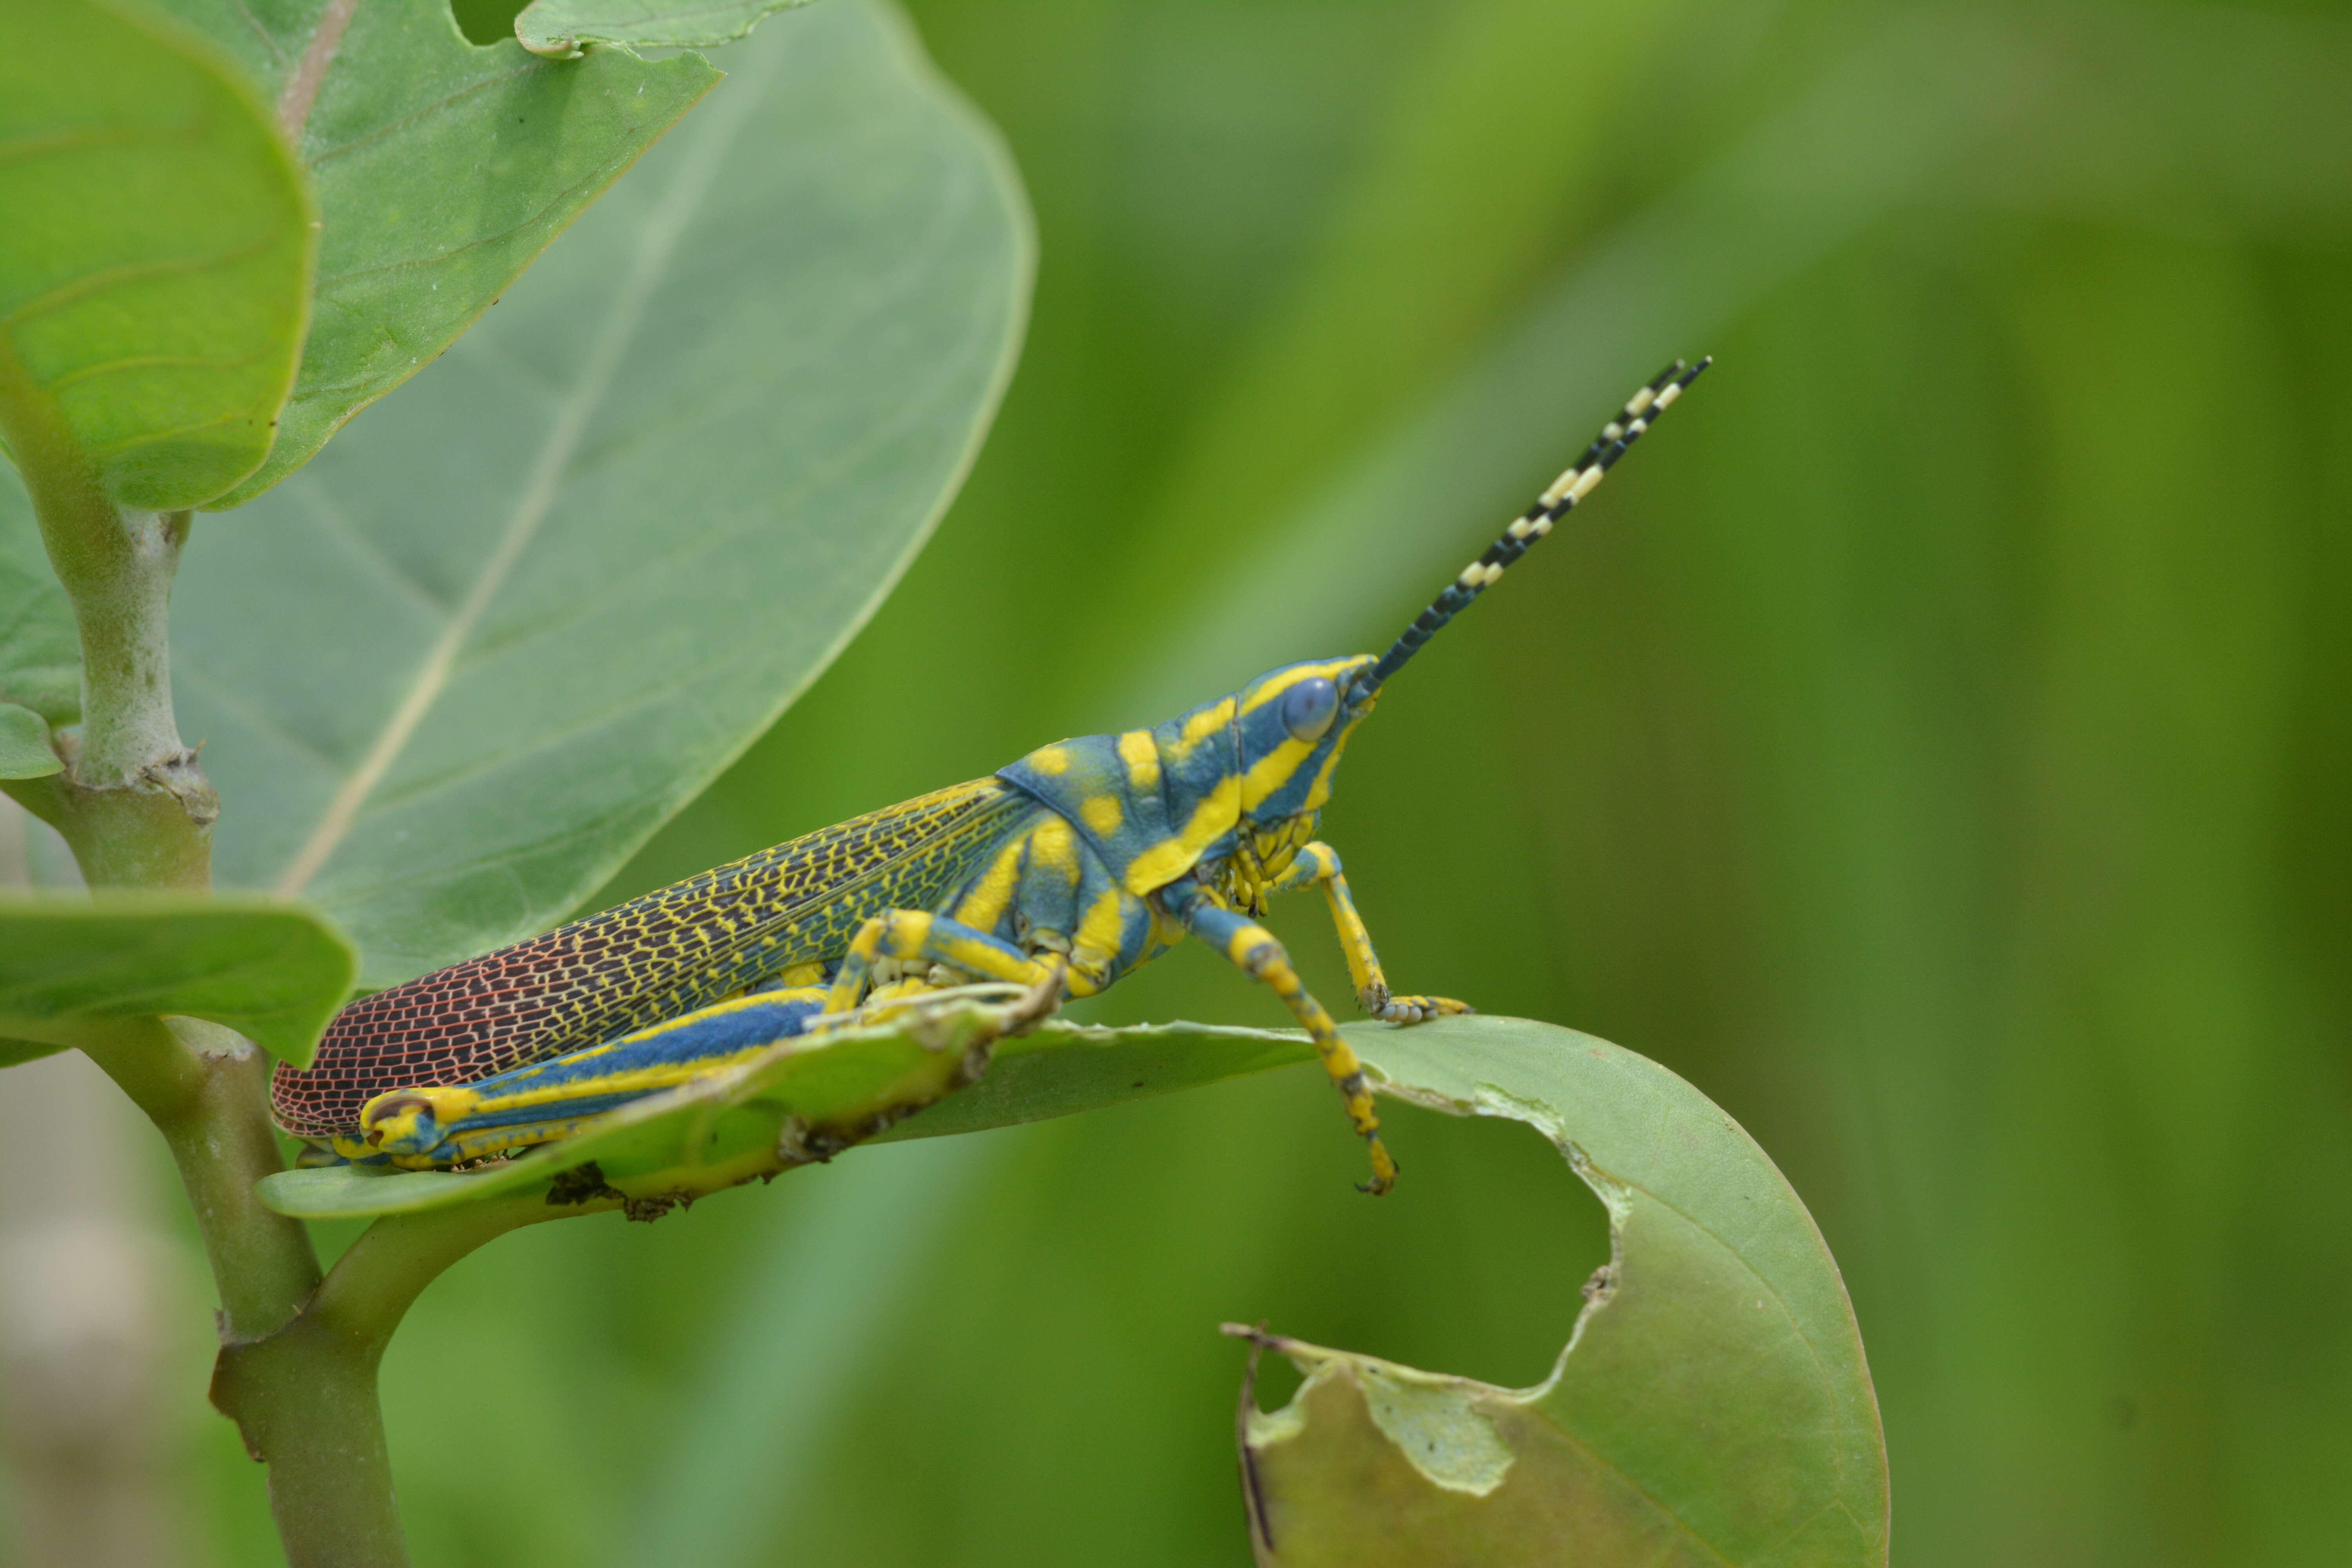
<point x="270" y="971"/>
<point x="457" y="670"/>
<point x="154" y="259"/>
<point x="442" y="169"/>
<point x="564" y="26"/>
<point x="1713" y="1406"/>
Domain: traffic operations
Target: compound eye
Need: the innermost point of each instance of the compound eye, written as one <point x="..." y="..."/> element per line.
<point x="1307" y="708"/>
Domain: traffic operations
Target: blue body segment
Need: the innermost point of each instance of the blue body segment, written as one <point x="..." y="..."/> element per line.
<point x="1227" y="789"/>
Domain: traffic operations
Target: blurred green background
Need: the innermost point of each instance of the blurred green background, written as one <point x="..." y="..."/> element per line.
<point x="1934" y="745"/>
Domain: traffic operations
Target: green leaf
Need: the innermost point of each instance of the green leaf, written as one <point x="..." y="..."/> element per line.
<point x="40" y="656"/>
<point x="725" y="1130"/>
<point x="442" y="170"/>
<point x="155" y="261"/>
<point x="563" y="27"/>
<point x="272" y="972"/>
<point x="15" y="1051"/>
<point x="25" y="750"/>
<point x="1712" y="1407"/>
<point x="455" y="673"/>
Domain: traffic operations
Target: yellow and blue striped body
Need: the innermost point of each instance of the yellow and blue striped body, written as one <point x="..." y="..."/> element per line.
<point x="1100" y="850"/>
<point x="1074" y="865"/>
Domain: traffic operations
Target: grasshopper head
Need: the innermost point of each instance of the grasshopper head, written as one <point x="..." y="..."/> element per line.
<point x="400" y="1122"/>
<point x="1289" y="727"/>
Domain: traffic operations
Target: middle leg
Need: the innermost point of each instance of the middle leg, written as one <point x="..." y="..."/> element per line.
<point x="1319" y="862"/>
<point x="917" y="936"/>
<point x="1258" y="953"/>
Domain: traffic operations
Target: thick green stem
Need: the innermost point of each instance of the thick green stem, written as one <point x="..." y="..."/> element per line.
<point x="297" y="1362"/>
<point x="305" y="1396"/>
<point x="131" y="802"/>
<point x="138" y="813"/>
<point x="207" y="1103"/>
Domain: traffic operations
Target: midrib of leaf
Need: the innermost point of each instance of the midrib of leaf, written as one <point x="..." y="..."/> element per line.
<point x="303" y="83"/>
<point x="658" y="242"/>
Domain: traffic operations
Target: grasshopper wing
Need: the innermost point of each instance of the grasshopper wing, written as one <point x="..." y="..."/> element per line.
<point x="637" y="964"/>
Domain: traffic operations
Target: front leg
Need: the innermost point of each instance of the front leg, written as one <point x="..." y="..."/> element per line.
<point x="1320" y="863"/>
<point x="1253" y="949"/>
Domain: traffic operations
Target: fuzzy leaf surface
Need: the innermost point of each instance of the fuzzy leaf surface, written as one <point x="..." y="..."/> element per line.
<point x="155" y="258"/>
<point x="271" y="972"/>
<point x="442" y="169"/>
<point x="541" y="597"/>
<point x="564" y="26"/>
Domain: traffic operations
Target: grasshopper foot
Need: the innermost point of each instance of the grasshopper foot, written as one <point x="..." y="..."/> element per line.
<point x="1412" y="1009"/>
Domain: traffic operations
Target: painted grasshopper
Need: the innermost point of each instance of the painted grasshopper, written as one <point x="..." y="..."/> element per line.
<point x="1075" y="864"/>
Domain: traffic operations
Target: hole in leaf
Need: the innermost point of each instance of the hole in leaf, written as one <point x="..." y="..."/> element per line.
<point x="487" y="21"/>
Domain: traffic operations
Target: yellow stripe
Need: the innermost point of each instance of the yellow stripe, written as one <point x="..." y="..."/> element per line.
<point x="1053" y="846"/>
<point x="1141" y="754"/>
<point x="1319" y="791"/>
<point x="1330" y="671"/>
<point x="1172" y="857"/>
<point x="984" y="905"/>
<point x="1100" y="927"/>
<point x="1208" y="721"/>
<point x="1103" y="812"/>
<point x="666" y="1074"/>
<point x="1273" y="771"/>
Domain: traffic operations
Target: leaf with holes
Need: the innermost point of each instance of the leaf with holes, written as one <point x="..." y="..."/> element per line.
<point x="1712" y="1407"/>
<point x="155" y="258"/>
<point x="267" y="970"/>
<point x="442" y="170"/>
<point x="458" y="670"/>
<point x="563" y="27"/>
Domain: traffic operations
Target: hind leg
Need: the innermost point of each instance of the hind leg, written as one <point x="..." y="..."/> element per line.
<point x="540" y="1103"/>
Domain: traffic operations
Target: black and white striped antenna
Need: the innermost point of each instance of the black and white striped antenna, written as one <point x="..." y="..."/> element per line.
<point x="1616" y="438"/>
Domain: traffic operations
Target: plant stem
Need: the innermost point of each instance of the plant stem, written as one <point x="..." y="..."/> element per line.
<point x="298" y="1356"/>
<point x="206" y="1103"/>
<point x="305" y="1396"/>
<point x="138" y="812"/>
<point x="132" y="802"/>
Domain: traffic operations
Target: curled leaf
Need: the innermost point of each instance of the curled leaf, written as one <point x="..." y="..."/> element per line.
<point x="1712" y="1406"/>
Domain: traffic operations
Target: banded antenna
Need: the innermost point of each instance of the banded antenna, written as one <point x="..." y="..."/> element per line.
<point x="1639" y="414"/>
